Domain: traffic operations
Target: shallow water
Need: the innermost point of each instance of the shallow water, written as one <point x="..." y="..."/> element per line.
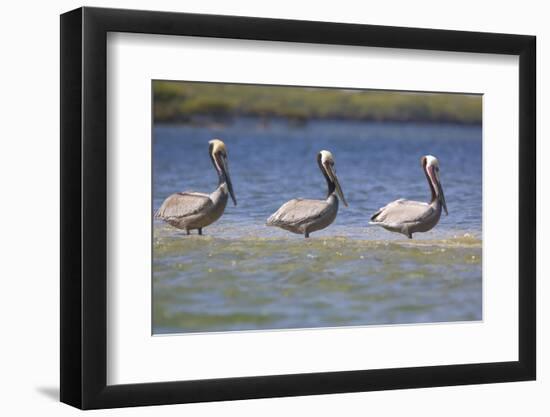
<point x="244" y="276"/>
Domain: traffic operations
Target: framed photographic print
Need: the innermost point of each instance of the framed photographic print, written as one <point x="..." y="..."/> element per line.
<point x="259" y="207"/>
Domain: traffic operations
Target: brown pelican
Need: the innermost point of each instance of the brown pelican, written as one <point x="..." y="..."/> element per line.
<point x="191" y="210"/>
<point x="408" y="217"/>
<point x="306" y="216"/>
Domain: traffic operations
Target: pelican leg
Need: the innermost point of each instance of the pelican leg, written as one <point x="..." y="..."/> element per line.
<point x="188" y="232"/>
<point x="200" y="231"/>
<point x="306" y="234"/>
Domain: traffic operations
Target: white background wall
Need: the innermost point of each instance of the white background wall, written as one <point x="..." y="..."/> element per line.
<point x="29" y="207"/>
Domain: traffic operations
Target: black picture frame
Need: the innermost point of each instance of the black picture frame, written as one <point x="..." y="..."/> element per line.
<point x="84" y="207"/>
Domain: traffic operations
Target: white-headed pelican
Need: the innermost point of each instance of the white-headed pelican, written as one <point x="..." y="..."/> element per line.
<point x="191" y="210"/>
<point x="408" y="217"/>
<point x="307" y="216"/>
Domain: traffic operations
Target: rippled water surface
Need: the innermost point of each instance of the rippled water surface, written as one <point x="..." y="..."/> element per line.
<point x="242" y="275"/>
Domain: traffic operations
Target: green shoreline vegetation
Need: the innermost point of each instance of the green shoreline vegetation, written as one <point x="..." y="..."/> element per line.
<point x="196" y="102"/>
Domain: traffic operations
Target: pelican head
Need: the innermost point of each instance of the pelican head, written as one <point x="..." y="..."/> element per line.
<point x="326" y="164"/>
<point x="430" y="165"/>
<point x="218" y="154"/>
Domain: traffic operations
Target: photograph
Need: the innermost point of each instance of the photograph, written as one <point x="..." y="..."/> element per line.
<point x="267" y="206"/>
<point x="290" y="207"/>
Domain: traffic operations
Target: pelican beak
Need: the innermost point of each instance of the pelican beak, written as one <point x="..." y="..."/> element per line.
<point x="442" y="199"/>
<point x="225" y="173"/>
<point x="440" y="193"/>
<point x="332" y="175"/>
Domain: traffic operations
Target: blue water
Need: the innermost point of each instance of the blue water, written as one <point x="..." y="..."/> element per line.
<point x="242" y="275"/>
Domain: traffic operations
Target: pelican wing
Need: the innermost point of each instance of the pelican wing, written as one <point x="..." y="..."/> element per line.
<point x="183" y="204"/>
<point x="298" y="211"/>
<point x="402" y="211"/>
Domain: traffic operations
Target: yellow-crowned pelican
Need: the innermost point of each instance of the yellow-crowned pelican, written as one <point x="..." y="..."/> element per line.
<point x="306" y="216"/>
<point x="408" y="217"/>
<point x="191" y="210"/>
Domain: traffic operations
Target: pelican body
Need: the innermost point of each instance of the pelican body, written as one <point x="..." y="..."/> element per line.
<point x="191" y="210"/>
<point x="303" y="216"/>
<point x="408" y="217"/>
